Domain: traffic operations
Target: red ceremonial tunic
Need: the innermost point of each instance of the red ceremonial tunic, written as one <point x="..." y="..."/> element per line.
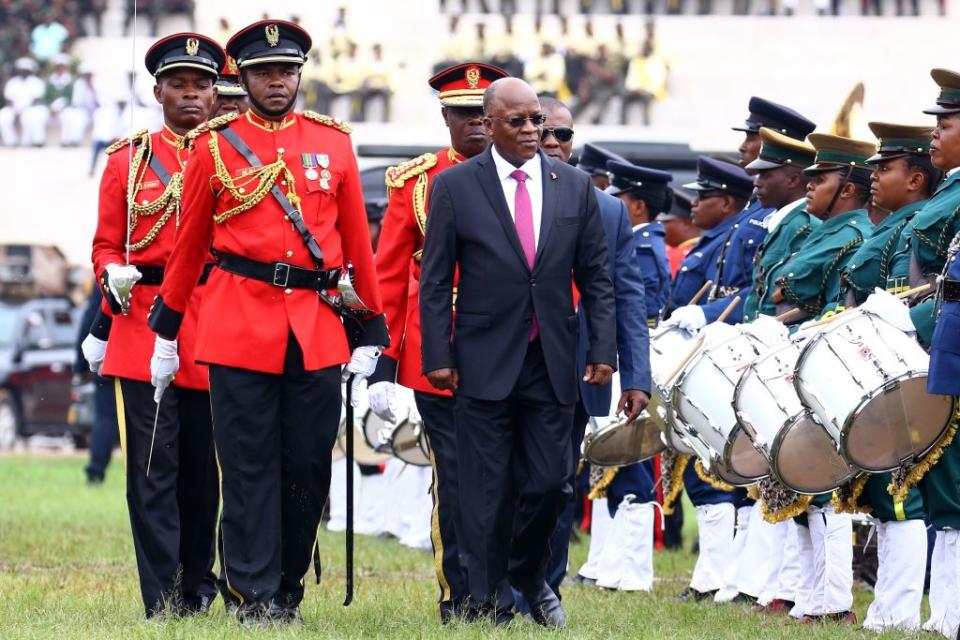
<point x="398" y="264"/>
<point x="131" y="341"/>
<point x="244" y="322"/>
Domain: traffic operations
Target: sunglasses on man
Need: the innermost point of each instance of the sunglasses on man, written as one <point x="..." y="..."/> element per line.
<point x="562" y="134"/>
<point x="517" y="121"/>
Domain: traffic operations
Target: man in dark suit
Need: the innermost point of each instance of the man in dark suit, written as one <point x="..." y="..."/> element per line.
<point x="514" y="225"/>
<point x="633" y="347"/>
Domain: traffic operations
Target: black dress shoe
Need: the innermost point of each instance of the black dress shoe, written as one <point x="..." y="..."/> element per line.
<point x="743" y="598"/>
<point x="545" y="607"/>
<point x="581" y="579"/>
<point x="692" y="595"/>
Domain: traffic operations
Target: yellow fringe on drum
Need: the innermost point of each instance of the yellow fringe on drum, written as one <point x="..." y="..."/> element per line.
<point x="785" y="513"/>
<point x="676" y="483"/>
<point x="709" y="479"/>
<point x="599" y="490"/>
<point x="753" y="492"/>
<point x="902" y="480"/>
<point x="846" y="499"/>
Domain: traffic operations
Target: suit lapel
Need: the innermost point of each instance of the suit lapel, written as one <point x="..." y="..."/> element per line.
<point x="490" y="183"/>
<point x="548" y="211"/>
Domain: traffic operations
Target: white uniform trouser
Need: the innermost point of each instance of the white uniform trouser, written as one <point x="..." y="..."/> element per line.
<point x="902" y="552"/>
<point x="338" y="494"/>
<point x="804" y="560"/>
<point x="831" y="535"/>
<point x="715" y="523"/>
<point x="945" y="584"/>
<point x="600" y="525"/>
<point x="73" y="125"/>
<point x="418" y="516"/>
<point x="797" y="560"/>
<point x="626" y="560"/>
<point x="372" y="497"/>
<point x="737" y="554"/>
<point x="33" y="124"/>
<point x="400" y="491"/>
<point x="760" y="563"/>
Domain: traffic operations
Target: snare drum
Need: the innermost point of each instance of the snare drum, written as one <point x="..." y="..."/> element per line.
<point x="867" y="382"/>
<point x="668" y="347"/>
<point x="409" y="442"/>
<point x="702" y="399"/>
<point x="362" y="452"/>
<point x="611" y="442"/>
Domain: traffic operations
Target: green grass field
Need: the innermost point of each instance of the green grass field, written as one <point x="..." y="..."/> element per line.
<point x="67" y="571"/>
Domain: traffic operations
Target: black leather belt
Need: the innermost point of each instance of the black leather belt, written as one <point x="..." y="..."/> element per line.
<point x="279" y="274"/>
<point x="951" y="290"/>
<point x="153" y="275"/>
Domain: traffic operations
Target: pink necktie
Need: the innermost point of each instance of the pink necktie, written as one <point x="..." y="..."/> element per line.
<point x="523" y="218"/>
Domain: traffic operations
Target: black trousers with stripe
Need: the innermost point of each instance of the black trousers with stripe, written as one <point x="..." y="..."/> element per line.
<point x="173" y="511"/>
<point x="438" y="419"/>
<point x="274" y="435"/>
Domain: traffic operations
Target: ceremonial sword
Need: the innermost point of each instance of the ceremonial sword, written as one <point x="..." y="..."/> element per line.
<point x="349" y="427"/>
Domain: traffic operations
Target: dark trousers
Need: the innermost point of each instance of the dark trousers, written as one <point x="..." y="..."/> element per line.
<point x="274" y="434"/>
<point x="514" y="457"/>
<point x="103" y="435"/>
<point x="438" y="419"/>
<point x="173" y="512"/>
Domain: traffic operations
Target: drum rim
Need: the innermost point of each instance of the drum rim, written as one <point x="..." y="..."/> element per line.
<point x="378" y="448"/>
<point x="378" y="457"/>
<point x="592" y="436"/>
<point x="775" y="448"/>
<point x="845" y="430"/>
<point x="739" y="480"/>
<point x="728" y="452"/>
<point x="417" y="446"/>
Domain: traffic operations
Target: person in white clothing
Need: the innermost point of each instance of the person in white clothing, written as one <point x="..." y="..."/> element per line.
<point x="24" y="94"/>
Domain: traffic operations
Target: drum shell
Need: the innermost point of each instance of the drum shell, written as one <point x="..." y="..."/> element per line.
<point x="805" y="459"/>
<point x="611" y="442"/>
<point x="408" y="442"/>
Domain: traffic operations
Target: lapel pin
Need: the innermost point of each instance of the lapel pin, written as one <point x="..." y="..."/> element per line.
<point x="553" y="176"/>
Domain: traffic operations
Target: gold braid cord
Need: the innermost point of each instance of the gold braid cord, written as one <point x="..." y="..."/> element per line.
<point x="672" y="466"/>
<point x="397" y="175"/>
<point x="846" y="499"/>
<point x="168" y="201"/>
<point x="264" y="178"/>
<point x="905" y="478"/>
<point x="598" y="487"/>
<point x="709" y="478"/>
<point x="210" y="125"/>
<point x="328" y="121"/>
<point x="777" y="503"/>
<point x="420" y="208"/>
<point x="753" y="492"/>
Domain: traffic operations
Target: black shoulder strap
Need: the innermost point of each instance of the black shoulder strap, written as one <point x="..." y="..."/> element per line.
<point x="289" y="210"/>
<point x="159" y="169"/>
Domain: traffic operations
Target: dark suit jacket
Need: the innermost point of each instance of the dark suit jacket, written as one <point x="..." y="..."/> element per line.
<point x="470" y="234"/>
<point x="633" y="343"/>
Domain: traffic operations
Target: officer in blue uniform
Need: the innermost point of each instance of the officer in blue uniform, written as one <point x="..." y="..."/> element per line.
<point x="750" y="228"/>
<point x="722" y="192"/>
<point x="593" y="160"/>
<point x="646" y="194"/>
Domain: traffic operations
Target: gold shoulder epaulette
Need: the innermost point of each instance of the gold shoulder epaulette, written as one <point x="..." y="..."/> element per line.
<point x="329" y="121"/>
<point x="210" y="125"/>
<point x="120" y="144"/>
<point x="395" y="176"/>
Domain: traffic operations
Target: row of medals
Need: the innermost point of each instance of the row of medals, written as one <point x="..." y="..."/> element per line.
<point x="323" y="160"/>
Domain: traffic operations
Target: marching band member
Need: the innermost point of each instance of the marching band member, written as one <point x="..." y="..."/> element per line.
<point x="460" y="90"/>
<point x="231" y="96"/>
<point x="173" y="508"/>
<point x="277" y="196"/>
<point x="837" y="191"/>
<point x="901" y="184"/>
<point x="722" y="191"/>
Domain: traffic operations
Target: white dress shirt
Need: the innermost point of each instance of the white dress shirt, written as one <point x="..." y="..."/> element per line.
<point x="534" y="182"/>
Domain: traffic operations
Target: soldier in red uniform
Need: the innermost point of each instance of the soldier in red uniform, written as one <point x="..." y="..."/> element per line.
<point x="171" y="481"/>
<point x="398" y="265"/>
<point x="231" y="96"/>
<point x="276" y="194"/>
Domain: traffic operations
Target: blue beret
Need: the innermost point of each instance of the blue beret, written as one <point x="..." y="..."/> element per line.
<point x="717" y="175"/>
<point x="781" y="119"/>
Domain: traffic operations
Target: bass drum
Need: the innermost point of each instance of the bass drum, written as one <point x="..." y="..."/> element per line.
<point x="409" y="442"/>
<point x="362" y="452"/>
<point x="867" y="382"/>
<point x="611" y="442"/>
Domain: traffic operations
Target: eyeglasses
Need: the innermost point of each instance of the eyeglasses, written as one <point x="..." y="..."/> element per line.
<point x="562" y="134"/>
<point x="517" y="121"/>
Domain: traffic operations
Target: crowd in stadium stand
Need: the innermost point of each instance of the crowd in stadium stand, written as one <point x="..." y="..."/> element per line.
<point x="701" y="7"/>
<point x="591" y="72"/>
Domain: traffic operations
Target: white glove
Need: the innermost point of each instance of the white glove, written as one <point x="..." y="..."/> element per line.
<point x="362" y="364"/>
<point x="163" y="365"/>
<point x="94" y="349"/>
<point x="689" y="318"/>
<point x="383" y="400"/>
<point x="121" y="274"/>
<point x="886" y="305"/>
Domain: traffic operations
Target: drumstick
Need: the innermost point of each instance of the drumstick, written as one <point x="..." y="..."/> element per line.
<point x="699" y="294"/>
<point x="699" y="343"/>
<point x="730" y="307"/>
<point x="899" y="296"/>
<point x="786" y="315"/>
